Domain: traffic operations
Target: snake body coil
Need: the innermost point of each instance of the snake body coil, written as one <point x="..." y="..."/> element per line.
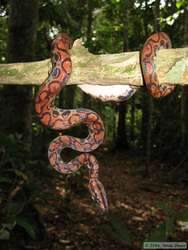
<point x="60" y="119"/>
<point x="151" y="46"/>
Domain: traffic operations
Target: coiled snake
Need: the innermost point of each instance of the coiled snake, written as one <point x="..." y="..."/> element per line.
<point x="151" y="46"/>
<point x="60" y="119"/>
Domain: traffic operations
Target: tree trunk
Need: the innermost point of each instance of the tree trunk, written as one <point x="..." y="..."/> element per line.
<point x="184" y="97"/>
<point x="122" y="141"/>
<point x="68" y="97"/>
<point x="149" y="102"/>
<point x="149" y="134"/>
<point x="132" y="120"/>
<point x="89" y="22"/>
<point x="156" y="13"/>
<point x="17" y="100"/>
<point x="86" y="98"/>
<point x="146" y="130"/>
<point x="184" y="118"/>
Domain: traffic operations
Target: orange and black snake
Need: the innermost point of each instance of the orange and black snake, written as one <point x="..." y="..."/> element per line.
<point x="60" y="119"/>
<point x="148" y="53"/>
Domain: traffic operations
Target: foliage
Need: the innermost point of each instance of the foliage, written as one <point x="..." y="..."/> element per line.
<point x="3" y="34"/>
<point x="163" y="231"/>
<point x="18" y="192"/>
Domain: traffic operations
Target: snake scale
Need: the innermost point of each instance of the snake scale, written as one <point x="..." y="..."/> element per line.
<point x="148" y="53"/>
<point x="60" y="119"/>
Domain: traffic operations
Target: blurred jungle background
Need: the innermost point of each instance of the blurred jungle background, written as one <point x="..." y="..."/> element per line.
<point x="144" y="159"/>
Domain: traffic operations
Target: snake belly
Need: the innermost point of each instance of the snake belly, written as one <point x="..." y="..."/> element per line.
<point x="60" y="119"/>
<point x="148" y="53"/>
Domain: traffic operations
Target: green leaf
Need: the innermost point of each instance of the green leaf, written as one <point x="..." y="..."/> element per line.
<point x="27" y="225"/>
<point x="4" y="234"/>
<point x="179" y="4"/>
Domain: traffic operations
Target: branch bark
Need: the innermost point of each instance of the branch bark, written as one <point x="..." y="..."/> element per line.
<point x="105" y="69"/>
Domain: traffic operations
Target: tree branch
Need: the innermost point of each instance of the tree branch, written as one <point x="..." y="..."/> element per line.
<point x="106" y="69"/>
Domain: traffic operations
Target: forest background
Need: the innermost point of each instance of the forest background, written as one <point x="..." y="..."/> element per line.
<point x="148" y="135"/>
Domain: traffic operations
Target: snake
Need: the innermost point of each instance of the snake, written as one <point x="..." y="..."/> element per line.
<point x="61" y="119"/>
<point x="155" y="42"/>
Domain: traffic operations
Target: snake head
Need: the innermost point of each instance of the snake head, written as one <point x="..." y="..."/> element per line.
<point x="98" y="194"/>
<point x="62" y="42"/>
